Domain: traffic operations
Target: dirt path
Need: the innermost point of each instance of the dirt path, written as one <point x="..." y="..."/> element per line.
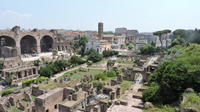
<point x="128" y="96"/>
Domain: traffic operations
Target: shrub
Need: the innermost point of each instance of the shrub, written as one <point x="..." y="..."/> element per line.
<point x="36" y="62"/>
<point x="162" y="109"/>
<point x="101" y="76"/>
<point x="9" y="81"/>
<point x="40" y="79"/>
<point x="76" y="60"/>
<point x="29" y="82"/>
<point x="95" y="57"/>
<point x="98" y="84"/>
<point x="110" y="63"/>
<point x="150" y="94"/>
<point x="111" y="74"/>
<point x="108" y="53"/>
<point x="174" y="75"/>
<point x="54" y="67"/>
<point x="6" y="92"/>
<point x="147" y="50"/>
<point x="46" y="71"/>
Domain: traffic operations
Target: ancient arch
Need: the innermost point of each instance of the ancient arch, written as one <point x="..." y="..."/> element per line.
<point x="28" y="45"/>
<point x="46" y="44"/>
<point x="7" y="41"/>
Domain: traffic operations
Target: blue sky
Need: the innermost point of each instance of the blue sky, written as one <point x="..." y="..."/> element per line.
<point x="144" y="15"/>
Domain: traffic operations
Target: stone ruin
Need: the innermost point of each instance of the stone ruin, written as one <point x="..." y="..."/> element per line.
<point x="87" y="78"/>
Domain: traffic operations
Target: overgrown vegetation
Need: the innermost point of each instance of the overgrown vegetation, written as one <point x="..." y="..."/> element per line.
<point x="147" y="50"/>
<point x="29" y="82"/>
<point x="75" y="60"/>
<point x="109" y="53"/>
<point x="110" y="63"/>
<point x="7" y="92"/>
<point x="98" y="84"/>
<point x="53" y="68"/>
<point x="95" y="57"/>
<point x="174" y="75"/>
<point x="106" y="75"/>
<point x="125" y="85"/>
<point x="129" y="46"/>
<point x="162" y="109"/>
<point x="192" y="100"/>
<point x="192" y="36"/>
<point x="179" y="41"/>
<point x="80" y="44"/>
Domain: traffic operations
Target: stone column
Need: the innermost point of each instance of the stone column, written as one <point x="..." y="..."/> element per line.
<point x="18" y="47"/>
<point x="38" y="46"/>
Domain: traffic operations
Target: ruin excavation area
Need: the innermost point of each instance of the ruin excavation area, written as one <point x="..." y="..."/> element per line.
<point x="75" y="88"/>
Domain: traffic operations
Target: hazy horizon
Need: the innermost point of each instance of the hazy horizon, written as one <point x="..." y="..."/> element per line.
<point x="143" y="15"/>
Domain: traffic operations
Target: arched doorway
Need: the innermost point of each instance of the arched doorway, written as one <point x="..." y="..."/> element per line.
<point x="46" y="44"/>
<point x="28" y="45"/>
<point x="7" y="47"/>
<point x="7" y="41"/>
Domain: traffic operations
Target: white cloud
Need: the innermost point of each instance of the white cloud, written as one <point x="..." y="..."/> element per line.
<point x="11" y="18"/>
<point x="10" y="13"/>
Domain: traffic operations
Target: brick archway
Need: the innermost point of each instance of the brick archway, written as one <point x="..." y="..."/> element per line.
<point x="28" y="45"/>
<point x="46" y="44"/>
<point x="7" y="41"/>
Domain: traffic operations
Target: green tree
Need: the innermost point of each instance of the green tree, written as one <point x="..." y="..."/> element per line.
<point x="174" y="76"/>
<point x="147" y="50"/>
<point x="160" y="33"/>
<point x="109" y="53"/>
<point x="179" y="41"/>
<point x="76" y="60"/>
<point x="80" y="44"/>
<point x="111" y="73"/>
<point x="95" y="57"/>
<point x="192" y="36"/>
<point x="46" y="71"/>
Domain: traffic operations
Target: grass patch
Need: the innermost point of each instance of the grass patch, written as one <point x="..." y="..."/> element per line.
<point x="77" y="74"/>
<point x="13" y="109"/>
<point x="125" y="85"/>
<point x="39" y="79"/>
<point x="52" y="85"/>
<point x="162" y="109"/>
<point x="191" y="100"/>
<point x="7" y="92"/>
<point x="33" y="97"/>
<point x="104" y="60"/>
<point x="124" y="61"/>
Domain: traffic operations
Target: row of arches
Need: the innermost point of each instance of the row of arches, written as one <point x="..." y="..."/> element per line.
<point x="28" y="44"/>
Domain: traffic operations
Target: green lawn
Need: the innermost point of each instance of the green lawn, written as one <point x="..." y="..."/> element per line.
<point x="124" y="61"/>
<point x="104" y="60"/>
<point x="77" y="74"/>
